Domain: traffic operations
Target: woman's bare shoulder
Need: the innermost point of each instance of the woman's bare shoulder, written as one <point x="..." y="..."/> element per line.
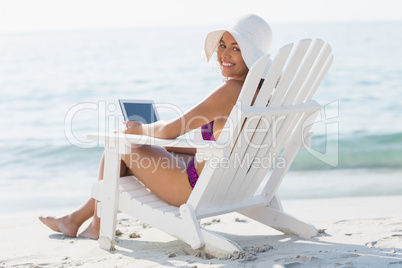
<point x="231" y="87"/>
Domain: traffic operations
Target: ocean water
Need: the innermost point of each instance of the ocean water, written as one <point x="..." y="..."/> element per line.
<point x="55" y="87"/>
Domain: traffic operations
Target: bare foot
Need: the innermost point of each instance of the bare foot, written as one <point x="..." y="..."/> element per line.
<point x="61" y="225"/>
<point x="92" y="231"/>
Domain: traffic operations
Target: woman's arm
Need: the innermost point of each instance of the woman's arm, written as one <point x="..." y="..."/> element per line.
<point x="219" y="103"/>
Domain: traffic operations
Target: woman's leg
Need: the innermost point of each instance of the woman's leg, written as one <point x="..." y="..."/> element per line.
<point x="163" y="173"/>
<point x="92" y="231"/>
<point x="69" y="224"/>
<point x="159" y="170"/>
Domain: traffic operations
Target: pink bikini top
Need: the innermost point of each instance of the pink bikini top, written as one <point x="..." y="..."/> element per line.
<point x="207" y="131"/>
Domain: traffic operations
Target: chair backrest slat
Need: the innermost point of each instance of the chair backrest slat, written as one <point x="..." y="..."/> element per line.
<point x="303" y="73"/>
<point x="289" y="72"/>
<point x="306" y="89"/>
<point x="273" y="75"/>
<point x="320" y="77"/>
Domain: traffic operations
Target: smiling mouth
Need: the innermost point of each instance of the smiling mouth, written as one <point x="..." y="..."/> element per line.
<point x="227" y="64"/>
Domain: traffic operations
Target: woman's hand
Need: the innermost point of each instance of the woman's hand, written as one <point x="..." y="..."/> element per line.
<point x="133" y="127"/>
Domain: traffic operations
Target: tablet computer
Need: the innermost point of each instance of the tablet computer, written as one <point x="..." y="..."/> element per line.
<point x="143" y="111"/>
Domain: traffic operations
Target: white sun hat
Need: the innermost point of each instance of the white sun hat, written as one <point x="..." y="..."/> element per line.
<point x="252" y="34"/>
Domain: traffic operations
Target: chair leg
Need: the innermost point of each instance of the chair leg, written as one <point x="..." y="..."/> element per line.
<point x="191" y="227"/>
<point x="110" y="197"/>
<point x="200" y="238"/>
<point x="218" y="246"/>
<point x="275" y="217"/>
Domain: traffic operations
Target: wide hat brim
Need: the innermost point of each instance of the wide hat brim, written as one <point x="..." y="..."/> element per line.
<point x="253" y="35"/>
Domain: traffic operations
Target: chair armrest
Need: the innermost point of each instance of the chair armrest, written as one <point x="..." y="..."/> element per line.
<point x="203" y="146"/>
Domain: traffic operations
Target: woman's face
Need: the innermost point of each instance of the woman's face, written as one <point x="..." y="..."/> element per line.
<point x="230" y="58"/>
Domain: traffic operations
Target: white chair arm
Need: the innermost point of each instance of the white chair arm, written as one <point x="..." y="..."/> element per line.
<point x="180" y="142"/>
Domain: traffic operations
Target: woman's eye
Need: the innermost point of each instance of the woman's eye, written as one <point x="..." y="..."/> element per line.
<point x="222" y="46"/>
<point x="236" y="49"/>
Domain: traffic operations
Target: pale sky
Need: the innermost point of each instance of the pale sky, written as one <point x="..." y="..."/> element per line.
<point x="34" y="15"/>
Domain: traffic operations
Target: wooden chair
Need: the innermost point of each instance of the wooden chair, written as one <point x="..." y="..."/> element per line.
<point x="240" y="174"/>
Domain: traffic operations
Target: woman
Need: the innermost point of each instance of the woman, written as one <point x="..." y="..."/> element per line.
<point x="237" y="48"/>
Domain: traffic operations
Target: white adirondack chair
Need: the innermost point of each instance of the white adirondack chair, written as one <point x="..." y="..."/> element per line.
<point x="255" y="132"/>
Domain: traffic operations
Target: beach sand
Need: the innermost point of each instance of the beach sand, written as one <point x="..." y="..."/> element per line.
<point x="356" y="232"/>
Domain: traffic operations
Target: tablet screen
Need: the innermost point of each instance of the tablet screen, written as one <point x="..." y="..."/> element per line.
<point x="139" y="110"/>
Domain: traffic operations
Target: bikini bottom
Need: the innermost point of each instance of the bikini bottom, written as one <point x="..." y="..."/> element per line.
<point x="192" y="173"/>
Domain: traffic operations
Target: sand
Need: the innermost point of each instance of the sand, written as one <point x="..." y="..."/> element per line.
<point x="355" y="232"/>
